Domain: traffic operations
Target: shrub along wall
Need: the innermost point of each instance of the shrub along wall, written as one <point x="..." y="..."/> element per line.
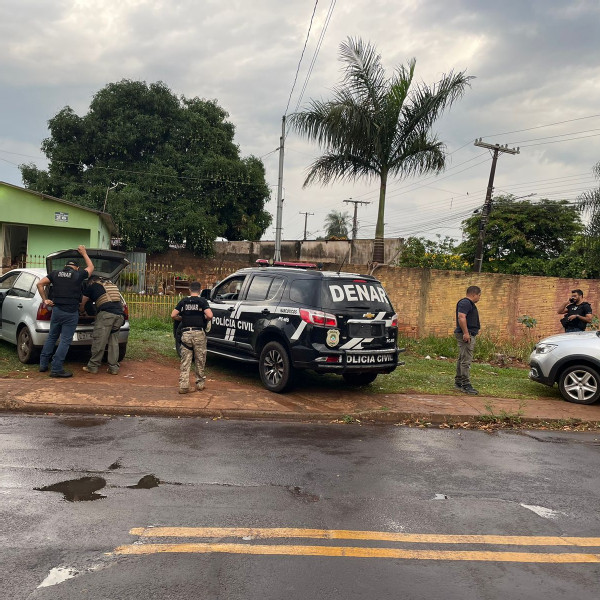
<point x="425" y="299"/>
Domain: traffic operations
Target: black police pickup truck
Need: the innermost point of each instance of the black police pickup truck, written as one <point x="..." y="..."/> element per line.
<point x="287" y="317"/>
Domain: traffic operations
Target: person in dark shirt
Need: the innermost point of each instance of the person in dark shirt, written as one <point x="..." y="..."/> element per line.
<point x="109" y="320"/>
<point x="66" y="295"/>
<point x="194" y="314"/>
<point x="467" y="328"/>
<point x="577" y="313"/>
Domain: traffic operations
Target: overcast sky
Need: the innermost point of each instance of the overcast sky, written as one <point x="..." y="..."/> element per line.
<point x="537" y="86"/>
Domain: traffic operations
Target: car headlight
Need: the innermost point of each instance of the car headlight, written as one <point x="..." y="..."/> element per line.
<point x="544" y="348"/>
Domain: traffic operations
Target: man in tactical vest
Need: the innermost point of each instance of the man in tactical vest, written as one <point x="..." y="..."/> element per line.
<point x="109" y="320"/>
<point x="66" y="295"/>
<point x="194" y="314"/>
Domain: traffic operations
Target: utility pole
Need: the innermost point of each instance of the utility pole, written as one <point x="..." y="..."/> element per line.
<point x="278" y="220"/>
<point x="487" y="206"/>
<point x="306" y="214"/>
<point x="354" y="222"/>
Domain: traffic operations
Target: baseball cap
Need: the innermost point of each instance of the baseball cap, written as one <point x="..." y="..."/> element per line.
<point x="71" y="263"/>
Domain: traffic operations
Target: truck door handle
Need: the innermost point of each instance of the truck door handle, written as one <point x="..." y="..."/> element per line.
<point x="19" y="306"/>
<point x="265" y="311"/>
<point x="230" y="308"/>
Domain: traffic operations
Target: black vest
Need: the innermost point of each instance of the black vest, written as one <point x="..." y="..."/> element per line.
<point x="66" y="287"/>
<point x="192" y="312"/>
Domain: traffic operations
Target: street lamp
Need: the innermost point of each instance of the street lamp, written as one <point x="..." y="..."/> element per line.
<point x="108" y="190"/>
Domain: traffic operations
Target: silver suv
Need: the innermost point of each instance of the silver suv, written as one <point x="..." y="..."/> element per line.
<point x="572" y="360"/>
<point x="25" y="319"/>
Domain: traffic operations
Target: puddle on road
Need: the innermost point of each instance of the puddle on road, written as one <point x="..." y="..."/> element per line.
<point x="145" y="483"/>
<point x="77" y="490"/>
<point x="80" y="422"/>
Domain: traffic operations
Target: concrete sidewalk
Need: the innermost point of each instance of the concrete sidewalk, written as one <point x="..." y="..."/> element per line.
<point x="127" y="394"/>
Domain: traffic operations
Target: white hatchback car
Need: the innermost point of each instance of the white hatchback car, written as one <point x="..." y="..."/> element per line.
<point x="573" y="361"/>
<point x="25" y="320"/>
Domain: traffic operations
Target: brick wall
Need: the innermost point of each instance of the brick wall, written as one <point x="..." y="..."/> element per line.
<point x="425" y="299"/>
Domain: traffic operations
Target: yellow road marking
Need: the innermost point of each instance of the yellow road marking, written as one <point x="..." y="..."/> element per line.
<point x="344" y="534"/>
<point x="525" y="557"/>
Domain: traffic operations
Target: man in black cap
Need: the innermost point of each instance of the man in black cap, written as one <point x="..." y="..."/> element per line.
<point x="66" y="288"/>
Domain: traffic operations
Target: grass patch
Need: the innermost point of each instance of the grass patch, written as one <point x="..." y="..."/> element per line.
<point x="149" y="338"/>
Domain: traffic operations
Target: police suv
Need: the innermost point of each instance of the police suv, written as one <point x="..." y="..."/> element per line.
<point x="289" y="316"/>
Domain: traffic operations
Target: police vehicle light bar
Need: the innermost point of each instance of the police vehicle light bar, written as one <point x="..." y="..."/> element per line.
<point x="263" y="262"/>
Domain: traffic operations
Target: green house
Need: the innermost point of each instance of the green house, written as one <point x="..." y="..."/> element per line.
<point x="32" y="225"/>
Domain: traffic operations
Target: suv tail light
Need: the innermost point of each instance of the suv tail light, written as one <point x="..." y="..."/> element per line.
<point x="395" y="321"/>
<point x="43" y="313"/>
<point x="317" y="317"/>
<point x="126" y="311"/>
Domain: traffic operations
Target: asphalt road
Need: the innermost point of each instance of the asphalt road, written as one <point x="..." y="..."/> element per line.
<point x="189" y="508"/>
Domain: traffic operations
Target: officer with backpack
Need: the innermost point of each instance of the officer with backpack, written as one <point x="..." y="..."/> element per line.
<point x="195" y="315"/>
<point x="109" y="320"/>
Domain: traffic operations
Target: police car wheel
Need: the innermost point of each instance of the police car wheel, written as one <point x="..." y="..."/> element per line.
<point x="359" y="378"/>
<point x="276" y="371"/>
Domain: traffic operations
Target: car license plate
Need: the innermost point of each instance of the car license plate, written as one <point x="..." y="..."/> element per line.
<point x="82" y="336"/>
<point x="370" y="359"/>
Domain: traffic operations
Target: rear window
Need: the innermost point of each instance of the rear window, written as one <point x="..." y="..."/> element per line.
<point x="354" y="293"/>
<point x="305" y="291"/>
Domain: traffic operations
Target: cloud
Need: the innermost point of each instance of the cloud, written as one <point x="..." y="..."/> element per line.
<point x="535" y="63"/>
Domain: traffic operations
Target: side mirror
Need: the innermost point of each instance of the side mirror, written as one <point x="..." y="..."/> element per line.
<point x="205" y="293"/>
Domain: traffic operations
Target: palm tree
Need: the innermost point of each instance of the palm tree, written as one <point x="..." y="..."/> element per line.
<point x="337" y="224"/>
<point x="376" y="127"/>
<point x="589" y="205"/>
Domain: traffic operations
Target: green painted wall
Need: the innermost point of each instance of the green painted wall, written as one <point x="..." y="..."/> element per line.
<point x="45" y="233"/>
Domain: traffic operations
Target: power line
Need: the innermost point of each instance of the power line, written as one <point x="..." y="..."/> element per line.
<point x="301" y="56"/>
<point x="541" y="126"/>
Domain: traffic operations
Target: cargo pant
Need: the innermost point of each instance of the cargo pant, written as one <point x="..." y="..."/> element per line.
<point x="197" y="340"/>
<point x="106" y="331"/>
<point x="465" y="358"/>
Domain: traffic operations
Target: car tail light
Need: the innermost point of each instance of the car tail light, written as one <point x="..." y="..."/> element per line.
<point x="43" y="313"/>
<point x="126" y="311"/>
<point x="317" y="317"/>
<point x="334" y="359"/>
<point x="395" y="321"/>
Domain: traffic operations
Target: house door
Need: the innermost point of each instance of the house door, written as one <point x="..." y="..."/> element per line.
<point x="14" y="246"/>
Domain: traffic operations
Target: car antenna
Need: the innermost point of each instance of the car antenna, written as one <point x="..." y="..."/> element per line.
<point x="343" y="262"/>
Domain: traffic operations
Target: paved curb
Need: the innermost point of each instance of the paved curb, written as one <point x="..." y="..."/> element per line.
<point x="370" y="417"/>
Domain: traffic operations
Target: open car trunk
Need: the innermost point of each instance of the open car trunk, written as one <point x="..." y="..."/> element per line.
<point x="107" y="264"/>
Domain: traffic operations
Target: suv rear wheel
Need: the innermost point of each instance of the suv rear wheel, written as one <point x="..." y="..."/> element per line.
<point x="359" y="378"/>
<point x="579" y="384"/>
<point x="276" y="371"/>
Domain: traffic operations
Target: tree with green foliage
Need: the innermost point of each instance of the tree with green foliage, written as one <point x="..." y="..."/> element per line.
<point x="184" y="180"/>
<point x="377" y="127"/>
<point x="431" y="254"/>
<point x="527" y="238"/>
<point x="337" y="224"/>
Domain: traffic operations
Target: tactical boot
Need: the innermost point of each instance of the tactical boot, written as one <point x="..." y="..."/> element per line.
<point x="113" y="370"/>
<point x="88" y="370"/>
<point x="200" y="386"/>
<point x="184" y="390"/>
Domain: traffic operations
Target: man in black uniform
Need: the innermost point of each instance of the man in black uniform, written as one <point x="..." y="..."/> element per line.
<point x="467" y="328"/>
<point x="109" y="320"/>
<point x="194" y="314"/>
<point x="578" y="313"/>
<point x="66" y="294"/>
